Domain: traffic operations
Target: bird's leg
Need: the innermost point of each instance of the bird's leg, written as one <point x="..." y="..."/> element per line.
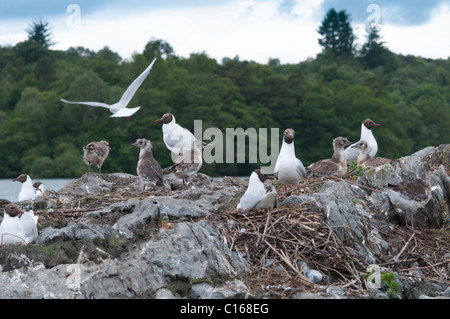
<point x="412" y="224"/>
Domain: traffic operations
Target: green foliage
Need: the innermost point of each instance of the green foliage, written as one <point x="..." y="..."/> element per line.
<point x="39" y="32"/>
<point x="393" y="286"/>
<point x="320" y="99"/>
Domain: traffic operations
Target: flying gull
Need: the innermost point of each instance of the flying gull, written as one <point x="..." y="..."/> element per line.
<point x="120" y="108"/>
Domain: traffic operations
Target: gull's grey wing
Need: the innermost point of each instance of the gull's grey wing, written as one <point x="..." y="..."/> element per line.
<point x="301" y="169"/>
<point x="99" y="104"/>
<point x="131" y="90"/>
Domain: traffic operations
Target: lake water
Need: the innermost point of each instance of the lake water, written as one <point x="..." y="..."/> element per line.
<point x="10" y="190"/>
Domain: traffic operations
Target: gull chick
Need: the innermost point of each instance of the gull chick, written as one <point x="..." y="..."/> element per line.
<point x="412" y="195"/>
<point x="189" y="163"/>
<point x="148" y="169"/>
<point x="351" y="153"/>
<point x="96" y="153"/>
<point x="335" y="165"/>
<point x="364" y="158"/>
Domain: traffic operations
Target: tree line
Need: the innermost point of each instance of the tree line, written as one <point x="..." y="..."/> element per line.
<point x="319" y="98"/>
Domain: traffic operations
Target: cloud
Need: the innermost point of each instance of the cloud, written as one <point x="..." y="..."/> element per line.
<point x="430" y="40"/>
<point x="254" y="30"/>
<point x="400" y="12"/>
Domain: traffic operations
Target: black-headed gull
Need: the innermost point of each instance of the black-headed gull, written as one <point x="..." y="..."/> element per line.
<point x="335" y="165"/>
<point x="27" y="191"/>
<point x="288" y="168"/>
<point x="175" y="137"/>
<point x="412" y="195"/>
<point x="351" y="153"/>
<point x="120" y="108"/>
<point x="364" y="158"/>
<point x="18" y="227"/>
<point x="256" y="195"/>
<point x="148" y="169"/>
<point x="96" y="153"/>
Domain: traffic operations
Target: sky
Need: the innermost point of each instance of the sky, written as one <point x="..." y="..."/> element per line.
<point x="251" y="29"/>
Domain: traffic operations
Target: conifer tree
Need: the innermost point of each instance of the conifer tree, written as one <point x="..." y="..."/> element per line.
<point x="337" y="33"/>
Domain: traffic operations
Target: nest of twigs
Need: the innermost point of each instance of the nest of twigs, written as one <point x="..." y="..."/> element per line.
<point x="273" y="242"/>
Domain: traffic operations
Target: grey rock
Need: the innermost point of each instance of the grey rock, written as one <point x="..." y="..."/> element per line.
<point x="164" y="293"/>
<point x="93" y="183"/>
<point x="75" y="231"/>
<point x="314" y="276"/>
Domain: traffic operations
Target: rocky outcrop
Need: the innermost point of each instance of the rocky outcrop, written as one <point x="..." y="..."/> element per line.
<point x="115" y="242"/>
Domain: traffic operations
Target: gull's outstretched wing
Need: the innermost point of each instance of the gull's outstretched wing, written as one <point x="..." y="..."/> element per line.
<point x="125" y="112"/>
<point x="99" y="104"/>
<point x="131" y="90"/>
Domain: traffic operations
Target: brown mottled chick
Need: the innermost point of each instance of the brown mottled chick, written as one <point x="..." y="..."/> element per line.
<point x="335" y="165"/>
<point x="148" y="169"/>
<point x="96" y="153"/>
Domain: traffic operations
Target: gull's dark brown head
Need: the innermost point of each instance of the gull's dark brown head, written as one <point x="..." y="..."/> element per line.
<point x="262" y="176"/>
<point x="369" y="124"/>
<point x="166" y="119"/>
<point x="13" y="210"/>
<point x="22" y="178"/>
<point x="289" y="135"/>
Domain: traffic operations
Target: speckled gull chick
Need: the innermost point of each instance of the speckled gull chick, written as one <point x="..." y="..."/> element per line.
<point x="364" y="158"/>
<point x="351" y="153"/>
<point x="409" y="196"/>
<point x="96" y="153"/>
<point x="148" y="169"/>
<point x="335" y="165"/>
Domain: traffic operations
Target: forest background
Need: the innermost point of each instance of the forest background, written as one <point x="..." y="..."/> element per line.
<point x="320" y="98"/>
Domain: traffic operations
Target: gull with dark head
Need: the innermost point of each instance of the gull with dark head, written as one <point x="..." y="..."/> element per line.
<point x="18" y="227"/>
<point x="256" y="195"/>
<point x="27" y="191"/>
<point x="351" y="153"/>
<point x="120" y="109"/>
<point x="148" y="169"/>
<point x="96" y="153"/>
<point x="335" y="165"/>
<point x="176" y="137"/>
<point x="288" y="168"/>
